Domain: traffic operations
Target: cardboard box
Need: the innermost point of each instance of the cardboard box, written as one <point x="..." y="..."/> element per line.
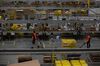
<point x="28" y="63"/>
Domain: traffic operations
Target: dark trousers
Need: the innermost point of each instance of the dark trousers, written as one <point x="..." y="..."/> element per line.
<point x="33" y="41"/>
<point x="12" y="37"/>
<point x="88" y="44"/>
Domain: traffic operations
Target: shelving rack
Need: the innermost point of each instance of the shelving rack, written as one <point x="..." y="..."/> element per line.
<point x="93" y="19"/>
<point x="81" y="19"/>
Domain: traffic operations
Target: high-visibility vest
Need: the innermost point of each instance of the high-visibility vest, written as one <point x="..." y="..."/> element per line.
<point x="34" y="36"/>
<point x="88" y="38"/>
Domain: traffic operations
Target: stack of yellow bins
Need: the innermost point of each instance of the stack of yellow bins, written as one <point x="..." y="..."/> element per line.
<point x="58" y="63"/>
<point x="70" y="63"/>
<point x="83" y="63"/>
<point x="75" y="63"/>
<point x="65" y="63"/>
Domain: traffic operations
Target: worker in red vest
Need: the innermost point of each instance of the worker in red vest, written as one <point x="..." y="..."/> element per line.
<point x="88" y="39"/>
<point x="34" y="37"/>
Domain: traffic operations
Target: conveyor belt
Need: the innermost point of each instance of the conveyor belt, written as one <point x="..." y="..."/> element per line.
<point x="49" y="50"/>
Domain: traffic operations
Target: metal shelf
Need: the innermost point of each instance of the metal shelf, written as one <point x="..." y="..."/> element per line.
<point x="84" y="19"/>
<point x="50" y="21"/>
<point x="30" y="31"/>
<point x="47" y="7"/>
<point x="42" y="7"/>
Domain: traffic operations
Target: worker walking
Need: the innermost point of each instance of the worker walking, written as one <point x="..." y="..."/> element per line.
<point x="88" y="39"/>
<point x="34" y="37"/>
<point x="52" y="37"/>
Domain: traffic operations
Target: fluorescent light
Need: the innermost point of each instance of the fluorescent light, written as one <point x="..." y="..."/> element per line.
<point x="19" y="10"/>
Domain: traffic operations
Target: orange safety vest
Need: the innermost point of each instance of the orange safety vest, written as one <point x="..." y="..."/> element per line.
<point x="88" y="38"/>
<point x="34" y="37"/>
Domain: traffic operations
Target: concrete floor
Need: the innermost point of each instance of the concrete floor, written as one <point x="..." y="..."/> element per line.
<point x="27" y="43"/>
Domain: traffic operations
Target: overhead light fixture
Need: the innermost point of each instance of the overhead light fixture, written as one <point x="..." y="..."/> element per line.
<point x="19" y="10"/>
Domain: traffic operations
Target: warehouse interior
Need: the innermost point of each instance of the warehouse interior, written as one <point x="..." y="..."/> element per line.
<point x="49" y="33"/>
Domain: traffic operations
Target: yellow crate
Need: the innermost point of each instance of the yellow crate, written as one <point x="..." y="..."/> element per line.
<point x="58" y="63"/>
<point x="58" y="12"/>
<point x="65" y="63"/>
<point x="16" y="27"/>
<point x="83" y="63"/>
<point x="0" y="17"/>
<point x="75" y="63"/>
